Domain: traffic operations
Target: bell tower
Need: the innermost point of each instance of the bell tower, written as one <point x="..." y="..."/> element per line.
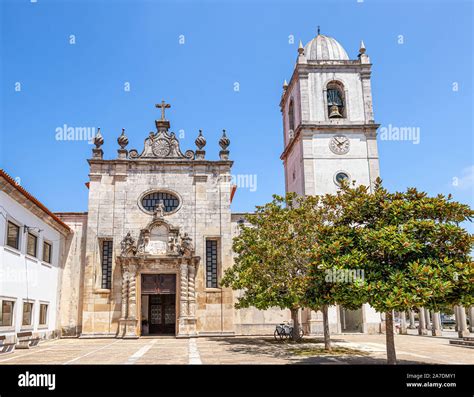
<point x="328" y="120"/>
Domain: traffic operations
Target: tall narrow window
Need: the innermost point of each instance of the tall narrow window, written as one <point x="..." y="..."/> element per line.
<point x="211" y="263"/>
<point x="291" y="118"/>
<point x="32" y="244"/>
<point x="107" y="264"/>
<point x="6" y="313"/>
<point x="13" y="235"/>
<point x="43" y="314"/>
<point x="27" y="313"/>
<point x="46" y="252"/>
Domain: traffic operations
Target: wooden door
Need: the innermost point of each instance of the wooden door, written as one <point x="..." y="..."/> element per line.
<point x="162" y="314"/>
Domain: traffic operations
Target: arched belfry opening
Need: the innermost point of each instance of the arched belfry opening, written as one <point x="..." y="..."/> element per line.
<point x="336" y="100"/>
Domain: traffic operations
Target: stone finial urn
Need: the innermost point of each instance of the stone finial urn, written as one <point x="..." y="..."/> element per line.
<point x="224" y="142"/>
<point x="122" y="139"/>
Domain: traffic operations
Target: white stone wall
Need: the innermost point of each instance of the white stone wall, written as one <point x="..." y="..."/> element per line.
<point x="25" y="278"/>
<point x="294" y="92"/>
<point x="294" y="172"/>
<point x="326" y="164"/>
<point x="73" y="274"/>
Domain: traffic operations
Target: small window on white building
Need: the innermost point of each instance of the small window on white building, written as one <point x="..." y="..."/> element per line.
<point x="27" y="313"/>
<point x="43" y="317"/>
<point x="46" y="252"/>
<point x="6" y="313"/>
<point x="13" y="235"/>
<point x="32" y="245"/>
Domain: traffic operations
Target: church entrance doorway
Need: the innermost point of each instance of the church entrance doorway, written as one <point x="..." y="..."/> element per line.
<point x="158" y="304"/>
<point x="162" y="314"/>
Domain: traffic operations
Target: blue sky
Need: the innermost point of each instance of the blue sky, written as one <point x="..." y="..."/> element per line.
<point x="138" y="42"/>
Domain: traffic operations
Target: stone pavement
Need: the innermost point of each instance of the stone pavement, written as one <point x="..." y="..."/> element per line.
<point x="369" y="349"/>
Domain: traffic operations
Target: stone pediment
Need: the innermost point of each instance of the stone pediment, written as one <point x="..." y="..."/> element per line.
<point x="161" y="145"/>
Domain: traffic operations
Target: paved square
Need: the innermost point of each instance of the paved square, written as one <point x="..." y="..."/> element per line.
<point x="369" y="349"/>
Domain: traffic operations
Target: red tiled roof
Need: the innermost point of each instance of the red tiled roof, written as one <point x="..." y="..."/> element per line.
<point x="30" y="197"/>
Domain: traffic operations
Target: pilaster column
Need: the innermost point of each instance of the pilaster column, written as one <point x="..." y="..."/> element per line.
<point x="436" y="328"/>
<point x="422" y="324"/>
<point x="411" y="315"/>
<point x="124" y="304"/>
<point x="456" y="318"/>
<point x="367" y="92"/>
<point x="462" y="324"/>
<point x="131" y="321"/>
<point x="183" y="300"/>
<point x="471" y="318"/>
<point x="403" y="323"/>
<point x="132" y="293"/>
<point x="192" y="290"/>
<point x="124" y="295"/>
<point x="183" y="289"/>
<point x="427" y="319"/>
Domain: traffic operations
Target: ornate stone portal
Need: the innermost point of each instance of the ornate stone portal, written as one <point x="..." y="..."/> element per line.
<point x="160" y="249"/>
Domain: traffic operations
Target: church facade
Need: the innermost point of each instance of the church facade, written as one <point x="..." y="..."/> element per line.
<point x="148" y="255"/>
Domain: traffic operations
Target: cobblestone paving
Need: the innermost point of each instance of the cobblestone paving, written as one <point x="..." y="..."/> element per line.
<point x="411" y="349"/>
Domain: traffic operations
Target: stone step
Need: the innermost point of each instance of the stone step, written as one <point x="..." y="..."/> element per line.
<point x="459" y="342"/>
<point x="469" y="338"/>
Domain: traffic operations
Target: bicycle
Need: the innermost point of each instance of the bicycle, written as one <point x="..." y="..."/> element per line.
<point x="284" y="331"/>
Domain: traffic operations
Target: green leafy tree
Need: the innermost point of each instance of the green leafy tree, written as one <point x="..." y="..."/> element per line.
<point x="411" y="247"/>
<point x="271" y="268"/>
<point x="275" y="254"/>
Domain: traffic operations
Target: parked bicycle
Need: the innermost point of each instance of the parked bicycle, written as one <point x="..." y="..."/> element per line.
<point x="285" y="331"/>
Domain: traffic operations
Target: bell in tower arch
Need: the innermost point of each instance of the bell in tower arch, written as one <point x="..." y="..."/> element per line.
<point x="335" y="101"/>
<point x="334" y="112"/>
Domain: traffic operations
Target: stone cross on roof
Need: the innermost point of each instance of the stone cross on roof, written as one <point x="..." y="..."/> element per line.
<point x="163" y="105"/>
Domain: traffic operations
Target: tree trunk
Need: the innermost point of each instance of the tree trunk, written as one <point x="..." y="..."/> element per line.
<point x="390" y="339"/>
<point x="296" y="324"/>
<point x="327" y="335"/>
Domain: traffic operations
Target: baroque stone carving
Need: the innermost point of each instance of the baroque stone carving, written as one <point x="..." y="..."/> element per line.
<point x="157" y="238"/>
<point x="159" y="211"/>
<point x="128" y="245"/>
<point x="162" y="144"/>
<point x="187" y="247"/>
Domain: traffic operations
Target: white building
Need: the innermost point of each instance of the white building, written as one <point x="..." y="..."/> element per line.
<point x="32" y="244"/>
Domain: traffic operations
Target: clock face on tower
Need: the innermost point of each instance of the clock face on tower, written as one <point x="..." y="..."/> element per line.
<point x="339" y="144"/>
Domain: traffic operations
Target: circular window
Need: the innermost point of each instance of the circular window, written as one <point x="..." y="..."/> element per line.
<point x="151" y="200"/>
<point x="340" y="177"/>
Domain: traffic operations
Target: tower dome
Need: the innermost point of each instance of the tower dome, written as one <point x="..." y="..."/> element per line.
<point x="325" y="48"/>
